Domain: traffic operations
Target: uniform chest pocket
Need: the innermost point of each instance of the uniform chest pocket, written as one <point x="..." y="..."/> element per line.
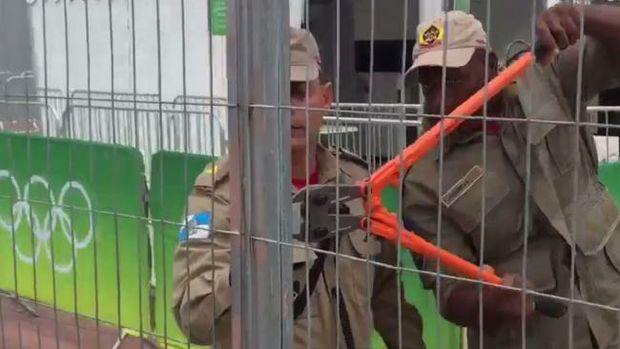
<point x="464" y="200"/>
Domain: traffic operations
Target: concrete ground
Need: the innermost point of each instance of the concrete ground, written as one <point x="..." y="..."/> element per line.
<point x="29" y="326"/>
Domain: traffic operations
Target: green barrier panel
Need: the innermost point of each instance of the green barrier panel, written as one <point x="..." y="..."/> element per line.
<point x="73" y="229"/>
<point x="172" y="179"/>
<point x="610" y="176"/>
<point x="438" y="333"/>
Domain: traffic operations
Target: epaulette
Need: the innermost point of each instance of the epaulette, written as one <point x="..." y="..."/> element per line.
<point x="346" y="155"/>
<point x="213" y="173"/>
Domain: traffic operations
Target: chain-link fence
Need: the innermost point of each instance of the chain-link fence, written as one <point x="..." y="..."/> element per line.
<point x="145" y="195"/>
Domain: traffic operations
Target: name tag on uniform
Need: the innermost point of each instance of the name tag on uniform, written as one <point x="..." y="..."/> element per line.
<point x="462" y="186"/>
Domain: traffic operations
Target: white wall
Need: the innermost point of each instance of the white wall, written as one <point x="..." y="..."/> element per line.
<point x="429" y="9"/>
<point x="297" y="11"/>
<point x="53" y="61"/>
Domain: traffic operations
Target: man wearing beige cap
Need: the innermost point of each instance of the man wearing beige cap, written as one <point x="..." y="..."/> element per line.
<point x="519" y="196"/>
<point x="337" y="311"/>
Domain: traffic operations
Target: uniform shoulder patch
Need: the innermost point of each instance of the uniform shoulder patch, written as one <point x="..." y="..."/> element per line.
<point x="462" y="186"/>
<point x="196" y="227"/>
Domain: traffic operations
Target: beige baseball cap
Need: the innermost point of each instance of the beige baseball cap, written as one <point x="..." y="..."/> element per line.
<point x="460" y="35"/>
<point x="305" y="57"/>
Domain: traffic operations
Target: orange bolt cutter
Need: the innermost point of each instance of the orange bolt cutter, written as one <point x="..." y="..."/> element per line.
<point x="329" y="215"/>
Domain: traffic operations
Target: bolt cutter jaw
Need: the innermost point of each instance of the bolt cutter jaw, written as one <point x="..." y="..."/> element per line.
<point x="321" y="212"/>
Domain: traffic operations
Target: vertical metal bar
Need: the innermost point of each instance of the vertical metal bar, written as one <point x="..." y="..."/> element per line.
<point x="527" y="203"/>
<point x="442" y="135"/>
<point x="116" y="173"/>
<point x="161" y="163"/>
<point x="576" y="159"/>
<point x="185" y="141"/>
<point x="71" y="207"/>
<point x="484" y="168"/>
<point x="134" y="80"/>
<point x="307" y="197"/>
<point x="401" y="170"/>
<point x="368" y="140"/>
<point x="91" y="163"/>
<point x="607" y="155"/>
<point x="260" y="172"/>
<point x="337" y="107"/>
<point x="48" y="167"/>
<point x="212" y="146"/>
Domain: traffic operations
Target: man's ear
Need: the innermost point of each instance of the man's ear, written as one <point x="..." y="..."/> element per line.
<point x="328" y="95"/>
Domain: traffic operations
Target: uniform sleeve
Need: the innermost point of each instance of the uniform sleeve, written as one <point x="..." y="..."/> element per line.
<point x="202" y="292"/>
<point x="385" y="305"/>
<point x="420" y="215"/>
<point x="600" y="70"/>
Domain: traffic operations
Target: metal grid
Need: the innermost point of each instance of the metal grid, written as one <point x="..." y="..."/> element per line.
<point x="252" y="125"/>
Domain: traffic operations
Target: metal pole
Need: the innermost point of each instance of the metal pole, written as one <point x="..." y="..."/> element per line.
<point x="260" y="180"/>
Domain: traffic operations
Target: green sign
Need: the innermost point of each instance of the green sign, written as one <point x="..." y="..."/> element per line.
<point x="172" y="179"/>
<point x="73" y="229"/>
<point x="218" y="16"/>
<point x="610" y="176"/>
<point x="462" y="5"/>
<point x="437" y="332"/>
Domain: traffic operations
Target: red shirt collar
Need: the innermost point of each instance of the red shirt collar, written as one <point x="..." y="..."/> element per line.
<point x="300" y="183"/>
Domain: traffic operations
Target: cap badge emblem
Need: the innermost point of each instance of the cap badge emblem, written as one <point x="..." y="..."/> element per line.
<point x="431" y="36"/>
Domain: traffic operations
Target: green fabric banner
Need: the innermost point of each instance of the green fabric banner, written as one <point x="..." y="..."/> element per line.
<point x="73" y="229"/>
<point x="172" y="179"/>
<point x="610" y="176"/>
<point x="462" y="5"/>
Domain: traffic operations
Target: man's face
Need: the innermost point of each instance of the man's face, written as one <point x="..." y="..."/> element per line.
<point x="461" y="83"/>
<point x="306" y="124"/>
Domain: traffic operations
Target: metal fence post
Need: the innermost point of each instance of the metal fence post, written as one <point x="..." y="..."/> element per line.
<point x="259" y="136"/>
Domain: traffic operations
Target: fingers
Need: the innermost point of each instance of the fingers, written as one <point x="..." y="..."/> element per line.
<point x="572" y="25"/>
<point x="514" y="299"/>
<point x="488" y="269"/>
<point x="568" y="18"/>
<point x="554" y="22"/>
<point x="557" y="29"/>
<point x="513" y="280"/>
<point x="546" y="46"/>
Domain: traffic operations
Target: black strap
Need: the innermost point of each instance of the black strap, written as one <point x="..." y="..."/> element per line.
<point x="301" y="301"/>
<point x="346" y="324"/>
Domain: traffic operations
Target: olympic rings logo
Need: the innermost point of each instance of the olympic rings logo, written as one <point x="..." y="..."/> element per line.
<point x="55" y="220"/>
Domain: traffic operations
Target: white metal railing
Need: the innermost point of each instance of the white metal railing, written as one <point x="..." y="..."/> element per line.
<point x="369" y="130"/>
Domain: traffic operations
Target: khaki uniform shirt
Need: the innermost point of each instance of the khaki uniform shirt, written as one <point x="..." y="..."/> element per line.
<point x="560" y="212"/>
<point x="369" y="295"/>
